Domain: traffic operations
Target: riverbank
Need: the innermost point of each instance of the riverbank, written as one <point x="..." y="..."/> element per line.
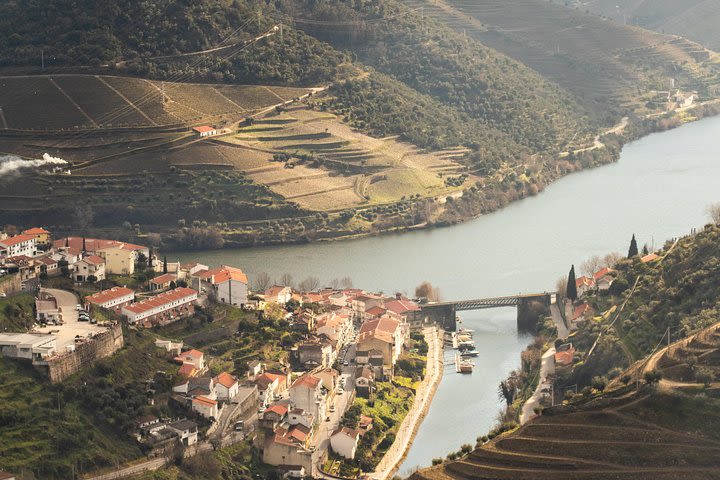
<point x="423" y="398"/>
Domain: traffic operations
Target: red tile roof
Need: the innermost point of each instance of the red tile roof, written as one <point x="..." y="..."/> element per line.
<point x="93" y="260"/>
<point x="350" y="432"/>
<point x="203" y="129"/>
<point x="565" y="357"/>
<point x="187" y="370"/>
<point x="649" y="258"/>
<point x="278" y="408"/>
<point x="587" y="281"/>
<point x="581" y="310"/>
<point x="376" y="311"/>
<point x="179" y="293"/>
<point x="93" y="244"/>
<point x="163" y="279"/>
<point x="274" y="291"/>
<point x="8" y="242"/>
<point x="307" y="380"/>
<point x="222" y="275"/>
<point x="402" y="306"/>
<point x="602" y="273"/>
<point x="204" y="401"/>
<point x="35" y="231"/>
<point x="381" y="328"/>
<point x="108" y="295"/>
<point x="226" y="380"/>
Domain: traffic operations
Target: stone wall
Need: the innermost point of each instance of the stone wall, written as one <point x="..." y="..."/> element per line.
<point x="10" y="284"/>
<point x="100" y="346"/>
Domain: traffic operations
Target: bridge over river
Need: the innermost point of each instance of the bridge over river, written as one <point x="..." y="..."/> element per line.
<point x="529" y="305"/>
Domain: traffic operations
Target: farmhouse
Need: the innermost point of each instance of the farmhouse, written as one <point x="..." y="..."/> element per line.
<point x="205" y="131"/>
<point x="163" y="308"/>
<point x="112" y="299"/>
<point x="18" y="245"/>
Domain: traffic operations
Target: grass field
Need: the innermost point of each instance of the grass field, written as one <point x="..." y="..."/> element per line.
<point x="69" y="102"/>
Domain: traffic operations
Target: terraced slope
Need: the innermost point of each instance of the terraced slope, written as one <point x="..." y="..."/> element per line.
<point x="694" y="19"/>
<point x="626" y="439"/>
<point x="604" y="64"/>
<point x="71" y="102"/>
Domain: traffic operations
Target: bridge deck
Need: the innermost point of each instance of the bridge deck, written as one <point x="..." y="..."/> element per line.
<point x="490" y="302"/>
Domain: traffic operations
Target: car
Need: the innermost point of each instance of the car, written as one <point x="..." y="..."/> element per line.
<point x="239" y="426"/>
<point x="78" y="307"/>
<point x="332" y="408"/>
<point x="340" y="391"/>
<point x="346" y="363"/>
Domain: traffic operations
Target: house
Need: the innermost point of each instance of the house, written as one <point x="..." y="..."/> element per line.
<point x="113" y="299"/>
<point x="46" y="309"/>
<point x="274" y="416"/>
<point x="364" y="381"/>
<point x="405" y="310"/>
<point x="289" y="445"/>
<point x="365" y="424"/>
<point x="229" y="284"/>
<point x="650" y="257"/>
<point x="90" y="269"/>
<point x="292" y="471"/>
<point x="384" y="334"/>
<point x="278" y="294"/>
<point x="584" y="284"/>
<point x="564" y="355"/>
<point x="205" y="406"/>
<point x="186" y="430"/>
<point x="146" y="421"/>
<point x="329" y="377"/>
<point x="344" y="442"/>
<point x="162" y="282"/>
<point x="67" y="255"/>
<point x="204" y="131"/>
<point x="196" y="358"/>
<point x="18" y="245"/>
<point x="604" y="278"/>
<point x="316" y="353"/>
<point x="42" y="236"/>
<point x="337" y="327"/>
<point x="163" y="308"/>
<point x="298" y="416"/>
<point x="360" y="304"/>
<point x="49" y="266"/>
<point x="28" y="346"/>
<point x="188" y="370"/>
<point x="309" y="394"/>
<point x="267" y="388"/>
<point x="254" y="368"/>
<point x="27" y="268"/>
<point x="119" y="260"/>
<point x="226" y="386"/>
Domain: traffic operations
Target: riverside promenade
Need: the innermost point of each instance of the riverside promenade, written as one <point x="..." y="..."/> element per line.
<point x="423" y="397"/>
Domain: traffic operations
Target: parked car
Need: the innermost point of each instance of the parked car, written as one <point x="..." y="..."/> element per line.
<point x="332" y="408"/>
<point x="78" y="307"/>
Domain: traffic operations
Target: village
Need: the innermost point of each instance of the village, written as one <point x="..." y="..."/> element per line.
<point x="301" y="412"/>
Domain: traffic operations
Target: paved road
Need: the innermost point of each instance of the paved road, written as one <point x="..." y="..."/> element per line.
<point x="547" y="367"/>
<point x="559" y="322"/>
<point x="67" y="303"/>
<point x="133" y="470"/>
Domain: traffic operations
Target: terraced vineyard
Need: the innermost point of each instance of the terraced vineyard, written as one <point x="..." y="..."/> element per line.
<point x="349" y="168"/>
<point x="603" y="63"/>
<point x="610" y="439"/>
<point x="71" y="102"/>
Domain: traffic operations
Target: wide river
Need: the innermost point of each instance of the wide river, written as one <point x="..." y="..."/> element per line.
<point x="659" y="189"/>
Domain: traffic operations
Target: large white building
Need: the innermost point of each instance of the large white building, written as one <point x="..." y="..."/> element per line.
<point x="18" y="245"/>
<point x="114" y="298"/>
<point x="29" y="346"/>
<point x="307" y="393"/>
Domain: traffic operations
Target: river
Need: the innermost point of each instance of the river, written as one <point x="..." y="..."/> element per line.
<point x="659" y="189"/>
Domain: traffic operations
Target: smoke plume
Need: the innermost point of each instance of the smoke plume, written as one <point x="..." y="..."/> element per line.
<point x="11" y="164"/>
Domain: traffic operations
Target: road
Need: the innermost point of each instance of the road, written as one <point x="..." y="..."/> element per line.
<point x="67" y="303"/>
<point x="562" y="330"/>
<point x="405" y="434"/>
<point x="547" y="368"/>
<point x="132" y="470"/>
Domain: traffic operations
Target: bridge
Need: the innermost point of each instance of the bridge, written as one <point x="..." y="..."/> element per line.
<point x="444" y="313"/>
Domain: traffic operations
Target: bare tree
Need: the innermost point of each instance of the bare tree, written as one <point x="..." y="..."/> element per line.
<point x="426" y="290"/>
<point x="154" y="239"/>
<point x="612" y="258"/>
<point x="592" y="265"/>
<point x="561" y="286"/>
<point x="335" y="283"/>
<point x="262" y="282"/>
<point x="83" y="217"/>
<point x="714" y="212"/>
<point x="309" y="284"/>
<point x="287" y="280"/>
<point x="346" y="282"/>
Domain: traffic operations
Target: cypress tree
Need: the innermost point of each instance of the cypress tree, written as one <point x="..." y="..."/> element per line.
<point x="645" y="249"/>
<point x="633" y="251"/>
<point x="83" y="249"/>
<point x="150" y="258"/>
<point x="67" y="242"/>
<point x="572" y="285"/>
<point x="165" y="264"/>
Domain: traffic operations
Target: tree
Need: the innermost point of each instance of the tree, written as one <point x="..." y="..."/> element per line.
<point x="286" y="280"/>
<point x="633" y="250"/>
<point x="165" y="264"/>
<point x="151" y="255"/>
<point x="274" y="312"/>
<point x="714" y="213"/>
<point x="262" y="282"/>
<point x="561" y="287"/>
<point x="309" y="284"/>
<point x="426" y="290"/>
<point x="645" y="249"/>
<point x="571" y="291"/>
<point x="652" y="377"/>
<point x="83" y="246"/>
<point x="592" y="265"/>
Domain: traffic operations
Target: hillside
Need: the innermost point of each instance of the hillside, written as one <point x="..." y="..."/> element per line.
<point x="694" y="19"/>
<point x="629" y="428"/>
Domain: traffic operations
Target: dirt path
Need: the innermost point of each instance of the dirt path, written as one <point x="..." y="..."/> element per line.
<point x="547" y="367"/>
<point x="409" y="426"/>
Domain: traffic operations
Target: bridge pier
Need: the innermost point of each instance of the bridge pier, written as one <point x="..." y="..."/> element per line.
<point x="443" y="315"/>
<point x="528" y="311"/>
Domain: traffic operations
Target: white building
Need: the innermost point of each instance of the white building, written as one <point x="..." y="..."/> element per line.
<point x="18" y="245"/>
<point x="207" y="407"/>
<point x="307" y="393"/>
<point x="29" y="346"/>
<point x="186" y="431"/>
<point x="344" y="442"/>
<point x="205" y="131"/>
<point x="226" y="386"/>
<point x="196" y="358"/>
<point x="229" y="284"/>
<point x="112" y="299"/>
<point x="90" y="266"/>
<point x="162" y="308"/>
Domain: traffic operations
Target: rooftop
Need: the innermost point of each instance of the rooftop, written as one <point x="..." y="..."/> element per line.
<point x="8" y="242"/>
<point x="109" y="295"/>
<point x="161" y="299"/>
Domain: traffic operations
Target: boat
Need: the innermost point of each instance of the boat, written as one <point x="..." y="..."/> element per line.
<point x="470" y="353"/>
<point x="463" y="366"/>
<point x="466" y="346"/>
<point x="465" y="331"/>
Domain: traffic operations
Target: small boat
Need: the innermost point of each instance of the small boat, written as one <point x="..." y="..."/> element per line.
<point x="466" y="346"/>
<point x="465" y="331"/>
<point x="470" y="353"/>
<point x="463" y="366"/>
